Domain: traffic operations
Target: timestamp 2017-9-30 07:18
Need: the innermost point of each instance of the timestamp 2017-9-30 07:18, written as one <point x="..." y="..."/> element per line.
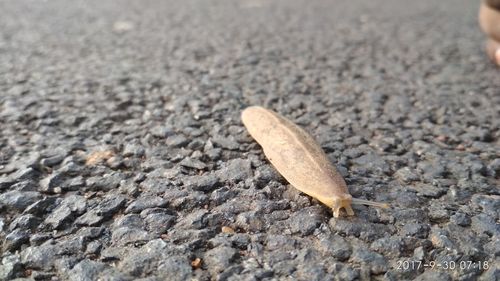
<point x="445" y="265"/>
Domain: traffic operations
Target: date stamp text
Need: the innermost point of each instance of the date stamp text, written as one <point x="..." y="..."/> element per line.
<point x="405" y="265"/>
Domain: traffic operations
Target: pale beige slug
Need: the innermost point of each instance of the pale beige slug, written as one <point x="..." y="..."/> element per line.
<point x="300" y="159"/>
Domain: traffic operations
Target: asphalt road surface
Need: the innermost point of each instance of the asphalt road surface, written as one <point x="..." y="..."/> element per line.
<point x="123" y="156"/>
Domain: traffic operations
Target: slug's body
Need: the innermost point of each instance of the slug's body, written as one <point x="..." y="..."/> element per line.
<point x="299" y="158"/>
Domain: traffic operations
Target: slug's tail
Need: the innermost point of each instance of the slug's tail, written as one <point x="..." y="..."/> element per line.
<point x="369" y="203"/>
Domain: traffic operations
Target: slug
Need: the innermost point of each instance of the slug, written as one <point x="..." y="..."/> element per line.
<point x="300" y="159"/>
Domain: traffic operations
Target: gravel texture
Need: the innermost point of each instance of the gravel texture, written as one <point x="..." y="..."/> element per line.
<point x="123" y="157"/>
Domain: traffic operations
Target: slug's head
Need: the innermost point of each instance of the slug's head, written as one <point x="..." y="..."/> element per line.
<point x="340" y="202"/>
<point x="345" y="201"/>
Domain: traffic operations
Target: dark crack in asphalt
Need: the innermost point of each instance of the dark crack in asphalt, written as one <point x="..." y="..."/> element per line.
<point x="122" y="153"/>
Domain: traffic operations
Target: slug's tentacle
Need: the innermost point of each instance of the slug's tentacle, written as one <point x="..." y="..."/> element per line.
<point x="358" y="201"/>
<point x="349" y="210"/>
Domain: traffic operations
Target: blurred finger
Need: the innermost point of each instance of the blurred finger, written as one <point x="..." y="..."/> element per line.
<point x="493" y="50"/>
<point x="489" y="18"/>
<point x="494" y="4"/>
